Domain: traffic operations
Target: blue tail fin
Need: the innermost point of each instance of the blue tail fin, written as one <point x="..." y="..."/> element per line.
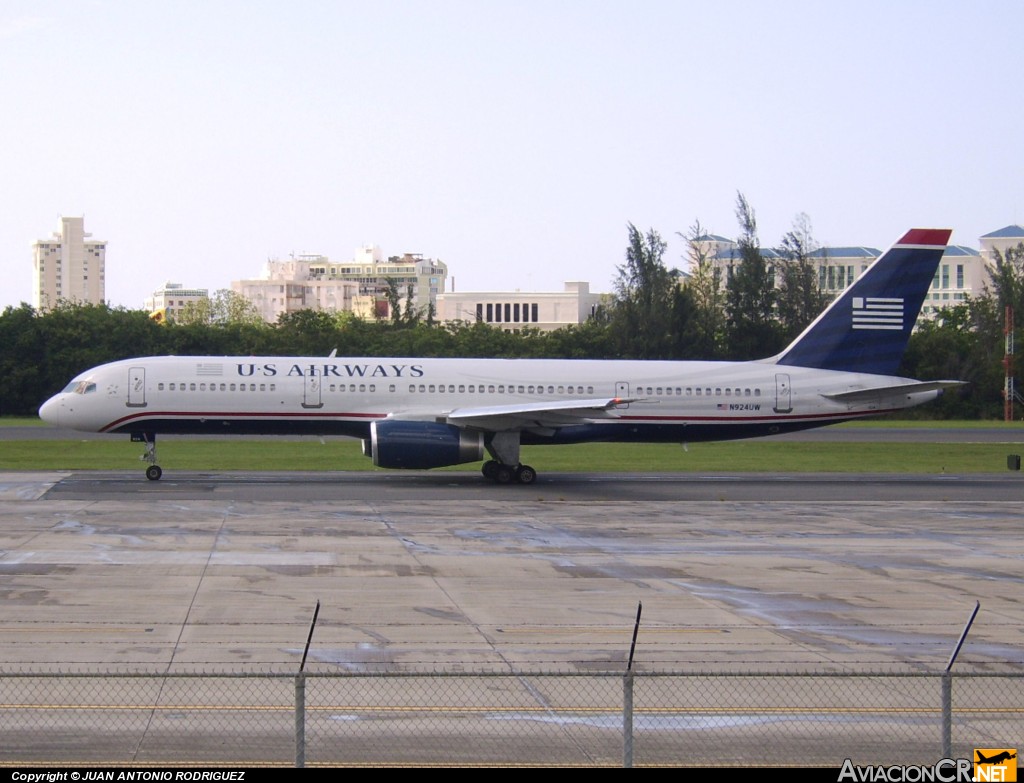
<point x="867" y="328"/>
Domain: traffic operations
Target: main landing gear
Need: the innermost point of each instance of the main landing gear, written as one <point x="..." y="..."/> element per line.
<point x="501" y="473"/>
<point x="154" y="471"/>
<point x="506" y="468"/>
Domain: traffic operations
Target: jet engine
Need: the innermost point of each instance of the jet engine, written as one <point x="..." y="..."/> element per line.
<point x="396" y="443"/>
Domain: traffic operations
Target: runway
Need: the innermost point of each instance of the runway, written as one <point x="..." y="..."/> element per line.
<point x="437" y="570"/>
<point x="470" y="486"/>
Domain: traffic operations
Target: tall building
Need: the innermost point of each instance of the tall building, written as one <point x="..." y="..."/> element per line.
<point x="288" y="286"/>
<point x="313" y="282"/>
<point x="68" y="267"/>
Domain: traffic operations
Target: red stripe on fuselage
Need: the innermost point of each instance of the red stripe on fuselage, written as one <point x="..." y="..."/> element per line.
<point x="239" y="416"/>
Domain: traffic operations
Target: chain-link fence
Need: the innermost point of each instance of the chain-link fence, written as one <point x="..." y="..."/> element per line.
<point x="505" y="719"/>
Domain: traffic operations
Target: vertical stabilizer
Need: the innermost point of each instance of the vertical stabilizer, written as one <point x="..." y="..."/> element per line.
<point x="867" y="327"/>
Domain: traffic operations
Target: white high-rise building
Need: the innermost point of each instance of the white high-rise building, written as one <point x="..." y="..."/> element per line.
<point x="68" y="267"/>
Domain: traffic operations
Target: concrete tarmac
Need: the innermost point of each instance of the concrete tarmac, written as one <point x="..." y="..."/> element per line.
<point x="445" y="571"/>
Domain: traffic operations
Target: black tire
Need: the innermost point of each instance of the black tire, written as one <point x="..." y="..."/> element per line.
<point x="525" y="474"/>
<point x="154" y="472"/>
<point x="504" y="474"/>
<point x="490" y="469"/>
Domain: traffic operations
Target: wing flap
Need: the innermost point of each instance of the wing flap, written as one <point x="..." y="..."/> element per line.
<point x="552" y="414"/>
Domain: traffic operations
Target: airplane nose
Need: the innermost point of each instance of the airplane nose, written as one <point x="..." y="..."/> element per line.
<point x="50" y="411"/>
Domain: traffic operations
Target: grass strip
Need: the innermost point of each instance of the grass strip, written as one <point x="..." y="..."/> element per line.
<point x="346" y="455"/>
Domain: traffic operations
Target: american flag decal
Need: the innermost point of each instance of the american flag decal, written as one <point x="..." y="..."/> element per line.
<point x="209" y="369"/>
<point x="877" y="312"/>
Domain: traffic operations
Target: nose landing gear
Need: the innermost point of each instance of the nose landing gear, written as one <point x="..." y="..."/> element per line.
<point x="154" y="471"/>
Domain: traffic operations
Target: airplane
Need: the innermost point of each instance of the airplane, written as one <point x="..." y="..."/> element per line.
<point x="996" y="759"/>
<point x="421" y="413"/>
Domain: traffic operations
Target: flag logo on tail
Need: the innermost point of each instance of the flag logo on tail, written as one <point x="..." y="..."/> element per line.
<point x="877" y="312"/>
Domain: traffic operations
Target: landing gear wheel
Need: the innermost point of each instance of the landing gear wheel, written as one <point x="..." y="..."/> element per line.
<point x="503" y="474"/>
<point x="490" y="469"/>
<point x="525" y="474"/>
<point x="153" y="472"/>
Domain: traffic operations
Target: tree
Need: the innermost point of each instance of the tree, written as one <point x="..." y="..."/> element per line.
<point x="950" y="346"/>
<point x="1006" y="278"/>
<point x="642" y="315"/>
<point x="224" y="307"/>
<point x="394" y="300"/>
<point x="800" y="299"/>
<point x="751" y="328"/>
<point x="1005" y="289"/>
<point x="706" y="295"/>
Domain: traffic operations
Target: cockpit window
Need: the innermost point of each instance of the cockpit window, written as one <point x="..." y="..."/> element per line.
<point x="79" y="387"/>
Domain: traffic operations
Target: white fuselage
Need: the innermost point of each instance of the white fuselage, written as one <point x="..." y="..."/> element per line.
<point x="674" y="401"/>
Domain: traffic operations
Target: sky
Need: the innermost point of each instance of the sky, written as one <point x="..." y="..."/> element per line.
<point x="516" y="142"/>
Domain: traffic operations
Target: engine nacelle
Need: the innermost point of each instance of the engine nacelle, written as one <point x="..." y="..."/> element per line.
<point x="396" y="443"/>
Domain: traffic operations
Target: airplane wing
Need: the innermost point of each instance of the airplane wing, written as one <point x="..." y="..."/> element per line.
<point x="874" y="392"/>
<point x="536" y="415"/>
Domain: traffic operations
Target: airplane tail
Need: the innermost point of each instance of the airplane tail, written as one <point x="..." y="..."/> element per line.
<point x="867" y="327"/>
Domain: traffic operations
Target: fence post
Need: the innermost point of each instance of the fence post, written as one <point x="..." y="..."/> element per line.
<point x="627" y="696"/>
<point x="300" y="697"/>
<point x="947" y="688"/>
<point x="947" y="715"/>
<point x="300" y="720"/>
<point x="627" y="719"/>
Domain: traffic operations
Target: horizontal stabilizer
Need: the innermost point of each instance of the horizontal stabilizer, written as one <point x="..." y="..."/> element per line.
<point x="914" y="387"/>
